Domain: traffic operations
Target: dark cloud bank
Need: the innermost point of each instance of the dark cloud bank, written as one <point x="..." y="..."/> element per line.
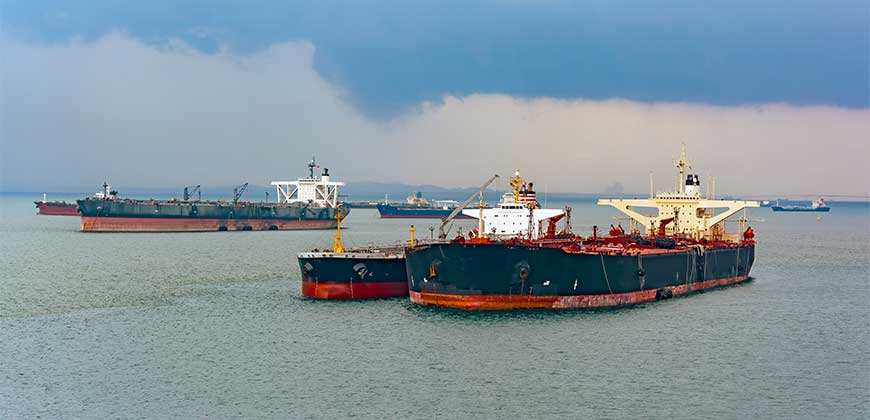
<point x="390" y="56"/>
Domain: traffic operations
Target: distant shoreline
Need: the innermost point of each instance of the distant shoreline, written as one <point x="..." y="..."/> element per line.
<point x="258" y="194"/>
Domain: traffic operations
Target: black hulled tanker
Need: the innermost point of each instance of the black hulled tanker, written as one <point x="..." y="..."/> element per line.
<point x="685" y="249"/>
<point x="354" y="274"/>
<point x="362" y="273"/>
<point x="558" y="274"/>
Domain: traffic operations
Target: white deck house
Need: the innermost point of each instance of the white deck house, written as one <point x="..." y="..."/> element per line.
<point x="313" y="191"/>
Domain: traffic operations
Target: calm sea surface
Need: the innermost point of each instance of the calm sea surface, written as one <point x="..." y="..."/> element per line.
<point x="193" y="325"/>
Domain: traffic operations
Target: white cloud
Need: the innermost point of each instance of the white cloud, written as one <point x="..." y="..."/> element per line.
<point x="75" y="114"/>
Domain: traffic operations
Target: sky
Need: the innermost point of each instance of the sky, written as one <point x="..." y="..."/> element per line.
<point x="770" y="97"/>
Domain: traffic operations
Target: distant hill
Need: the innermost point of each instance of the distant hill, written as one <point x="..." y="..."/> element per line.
<point x="375" y="191"/>
<point x="353" y="191"/>
<point x="369" y="190"/>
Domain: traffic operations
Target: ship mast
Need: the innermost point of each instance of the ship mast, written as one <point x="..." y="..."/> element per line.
<point x="651" y="194"/>
<point x="480" y="218"/>
<point x="681" y="165"/>
<point x="337" y="246"/>
<point x="311" y="166"/>
<point x="516" y="182"/>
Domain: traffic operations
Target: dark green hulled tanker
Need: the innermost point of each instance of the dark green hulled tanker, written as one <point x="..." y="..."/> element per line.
<point x="685" y="248"/>
<point x="307" y="203"/>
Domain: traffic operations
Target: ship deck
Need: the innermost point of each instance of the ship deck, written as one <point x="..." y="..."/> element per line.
<point x="215" y="203"/>
<point x="616" y="245"/>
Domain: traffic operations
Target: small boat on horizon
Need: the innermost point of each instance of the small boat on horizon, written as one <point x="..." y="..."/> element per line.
<point x="817" y="206"/>
<point x="418" y="207"/>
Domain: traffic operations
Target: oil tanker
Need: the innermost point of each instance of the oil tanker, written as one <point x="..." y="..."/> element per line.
<point x="55" y="208"/>
<point x="818" y="206"/>
<point x="684" y="249"/>
<point x="418" y="207"/>
<point x="307" y="203"/>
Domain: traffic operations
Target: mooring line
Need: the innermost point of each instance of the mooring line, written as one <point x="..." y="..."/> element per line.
<point x="603" y="268"/>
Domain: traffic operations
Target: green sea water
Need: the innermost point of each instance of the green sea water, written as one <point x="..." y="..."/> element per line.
<point x="194" y="325"/>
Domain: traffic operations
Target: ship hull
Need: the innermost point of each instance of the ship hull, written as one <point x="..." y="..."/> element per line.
<point x="500" y="277"/>
<point x="396" y="212"/>
<point x="56" y="208"/>
<point x="421" y="216"/>
<point x="359" y="205"/>
<point x="801" y="209"/>
<point x="180" y="224"/>
<point x="148" y="216"/>
<point x="353" y="275"/>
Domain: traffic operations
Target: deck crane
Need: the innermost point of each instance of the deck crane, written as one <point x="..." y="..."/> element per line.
<point x="188" y="191"/>
<point x="238" y="191"/>
<point x="442" y="234"/>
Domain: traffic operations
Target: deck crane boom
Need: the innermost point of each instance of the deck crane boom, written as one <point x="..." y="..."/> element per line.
<point x="441" y="233"/>
<point x="191" y="190"/>
<point x="238" y="191"/>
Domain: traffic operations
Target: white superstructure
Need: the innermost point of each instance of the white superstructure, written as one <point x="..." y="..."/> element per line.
<point x="106" y="193"/>
<point x="313" y="191"/>
<point x="516" y="215"/>
<point x="682" y="212"/>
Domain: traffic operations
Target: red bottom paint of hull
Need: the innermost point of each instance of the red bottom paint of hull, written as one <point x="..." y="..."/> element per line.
<point x="51" y="209"/>
<point x="58" y="212"/>
<point x="424" y="217"/>
<point x="502" y="302"/>
<point x="154" y="224"/>
<point x="380" y="290"/>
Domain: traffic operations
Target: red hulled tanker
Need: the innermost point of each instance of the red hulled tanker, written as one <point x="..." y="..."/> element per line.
<point x="56" y="208"/>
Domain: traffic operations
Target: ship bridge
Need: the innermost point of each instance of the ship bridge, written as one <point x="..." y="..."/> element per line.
<point x="517" y="214"/>
<point x="314" y="191"/>
<point x="682" y="212"/>
<point x="690" y="216"/>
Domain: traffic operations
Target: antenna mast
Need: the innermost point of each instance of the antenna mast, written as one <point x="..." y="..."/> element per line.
<point x="681" y="164"/>
<point x="651" y="184"/>
<point x="311" y="166"/>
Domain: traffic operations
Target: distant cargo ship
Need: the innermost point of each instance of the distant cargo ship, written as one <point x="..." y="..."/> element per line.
<point x="685" y="249"/>
<point x="417" y="207"/>
<point x="818" y="206"/>
<point x="55" y="208"/>
<point x="307" y="203"/>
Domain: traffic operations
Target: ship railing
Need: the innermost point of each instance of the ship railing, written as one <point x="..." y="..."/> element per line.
<point x="732" y="237"/>
<point x="396" y="246"/>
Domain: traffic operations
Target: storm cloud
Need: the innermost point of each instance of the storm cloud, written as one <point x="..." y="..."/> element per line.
<point x="388" y="57"/>
<point x="115" y="107"/>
